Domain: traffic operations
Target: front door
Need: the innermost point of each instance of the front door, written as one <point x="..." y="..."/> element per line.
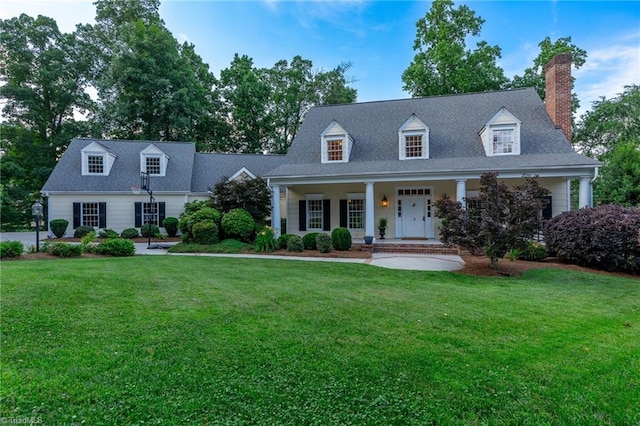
<point x="413" y="217"/>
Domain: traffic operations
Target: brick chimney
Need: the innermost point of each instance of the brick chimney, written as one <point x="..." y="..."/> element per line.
<point x="558" y="92"/>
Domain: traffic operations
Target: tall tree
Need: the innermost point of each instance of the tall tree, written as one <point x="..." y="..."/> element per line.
<point x="443" y="64"/>
<point x="619" y="180"/>
<point x="246" y="91"/>
<point x="609" y="122"/>
<point x="332" y="87"/>
<point x="535" y="77"/>
<point x="43" y="85"/>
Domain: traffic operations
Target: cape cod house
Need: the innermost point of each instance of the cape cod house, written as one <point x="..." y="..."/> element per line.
<point x="349" y="165"/>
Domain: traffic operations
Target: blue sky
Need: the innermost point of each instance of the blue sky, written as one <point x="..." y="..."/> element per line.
<point x="377" y="36"/>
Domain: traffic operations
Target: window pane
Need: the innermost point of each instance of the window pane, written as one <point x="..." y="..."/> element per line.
<point x="314" y="213"/>
<point x="503" y="141"/>
<point x="413" y="146"/>
<point x="355" y="214"/>
<point x="150" y="213"/>
<point x="94" y="164"/>
<point x="153" y="165"/>
<point x="90" y="214"/>
<point x="334" y="150"/>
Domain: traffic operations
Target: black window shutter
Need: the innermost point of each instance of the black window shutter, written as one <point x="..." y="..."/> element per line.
<point x="326" y="215"/>
<point x="102" y="215"/>
<point x="343" y="213"/>
<point x="138" y="215"/>
<point x="302" y="215"/>
<point x="547" y="213"/>
<point x="76" y="215"/>
<point x="161" y="212"/>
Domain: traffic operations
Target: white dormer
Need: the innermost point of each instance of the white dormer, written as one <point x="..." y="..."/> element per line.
<point x="96" y="160"/>
<point x="501" y="134"/>
<point x="413" y="139"/>
<point x="153" y="161"/>
<point x="242" y="175"/>
<point x="336" y="144"/>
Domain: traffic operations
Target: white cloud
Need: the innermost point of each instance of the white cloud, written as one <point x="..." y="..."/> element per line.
<point x="608" y="70"/>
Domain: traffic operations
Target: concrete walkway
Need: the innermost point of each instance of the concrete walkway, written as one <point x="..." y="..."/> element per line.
<point x="413" y="262"/>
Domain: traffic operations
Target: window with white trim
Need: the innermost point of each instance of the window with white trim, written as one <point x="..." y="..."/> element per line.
<point x="90" y="215"/>
<point x="334" y="150"/>
<point x="503" y="140"/>
<point x="413" y="139"/>
<point x="314" y="214"/>
<point x="153" y="166"/>
<point x="95" y="164"/>
<point x="150" y="213"/>
<point x="355" y="213"/>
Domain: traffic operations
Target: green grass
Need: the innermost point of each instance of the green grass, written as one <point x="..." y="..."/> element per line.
<point x="197" y="340"/>
<point x="228" y="246"/>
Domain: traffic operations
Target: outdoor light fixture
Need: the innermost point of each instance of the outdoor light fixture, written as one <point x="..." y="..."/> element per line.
<point x="385" y="202"/>
<point x="36" y="211"/>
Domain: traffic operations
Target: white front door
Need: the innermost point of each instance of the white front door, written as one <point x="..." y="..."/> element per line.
<point x="413" y="217"/>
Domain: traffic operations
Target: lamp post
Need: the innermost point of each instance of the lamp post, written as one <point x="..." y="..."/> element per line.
<point x="144" y="184"/>
<point x="36" y="211"/>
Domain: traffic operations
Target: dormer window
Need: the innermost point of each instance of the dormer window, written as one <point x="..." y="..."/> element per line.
<point x="336" y="144"/>
<point x="96" y="160"/>
<point x="153" y="161"/>
<point x="413" y="139"/>
<point x="501" y="134"/>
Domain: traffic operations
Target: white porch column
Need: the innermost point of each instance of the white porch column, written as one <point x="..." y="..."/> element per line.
<point x="584" y="196"/>
<point x="461" y="191"/>
<point x="275" y="210"/>
<point x="369" y="226"/>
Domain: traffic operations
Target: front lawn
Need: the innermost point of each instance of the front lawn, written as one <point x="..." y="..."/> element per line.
<point x="198" y="340"/>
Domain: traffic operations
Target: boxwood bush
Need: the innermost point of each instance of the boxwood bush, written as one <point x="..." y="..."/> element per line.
<point x="107" y="233"/>
<point x="65" y="249"/>
<point x="81" y="231"/>
<point x="295" y="244"/>
<point x="58" y="227"/>
<point x="171" y="225"/>
<point x="9" y="249"/>
<point x="116" y="247"/>
<point x="341" y="239"/>
<point x="533" y="250"/>
<point x="323" y="242"/>
<point x="283" y="239"/>
<point x="606" y="237"/>
<point x="130" y="233"/>
<point x="149" y="228"/>
<point x="238" y="223"/>
<point x="205" y="232"/>
<point x="309" y="241"/>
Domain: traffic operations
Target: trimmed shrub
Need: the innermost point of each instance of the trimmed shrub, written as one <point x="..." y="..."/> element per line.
<point x="171" y="225"/>
<point x="117" y="247"/>
<point x="533" y="250"/>
<point x="323" y="242"/>
<point x="202" y="214"/>
<point x="130" y="233"/>
<point x="81" y="231"/>
<point x="58" y="227"/>
<point x="283" y="239"/>
<point x="341" y="239"/>
<point x="9" y="249"/>
<point x="149" y="228"/>
<point x="309" y="241"/>
<point x="205" y="232"/>
<point x="238" y="223"/>
<point x="605" y="237"/>
<point x="295" y="244"/>
<point x="107" y="233"/>
<point x="65" y="249"/>
<point x="265" y="241"/>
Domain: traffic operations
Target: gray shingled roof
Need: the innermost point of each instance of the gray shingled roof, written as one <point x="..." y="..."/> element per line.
<point x="454" y="141"/>
<point x="209" y="169"/>
<point x="187" y="171"/>
<point x="67" y="175"/>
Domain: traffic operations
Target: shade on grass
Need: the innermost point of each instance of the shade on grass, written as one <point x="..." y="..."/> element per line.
<point x="181" y="340"/>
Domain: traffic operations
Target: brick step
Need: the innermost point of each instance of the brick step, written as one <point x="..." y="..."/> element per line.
<point x="414" y="249"/>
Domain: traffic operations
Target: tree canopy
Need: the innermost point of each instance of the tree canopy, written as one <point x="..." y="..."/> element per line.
<point x="443" y="64"/>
